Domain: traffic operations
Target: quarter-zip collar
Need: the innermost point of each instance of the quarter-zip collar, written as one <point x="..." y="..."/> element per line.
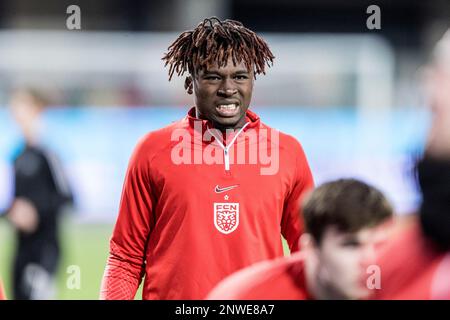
<point x="196" y="124"/>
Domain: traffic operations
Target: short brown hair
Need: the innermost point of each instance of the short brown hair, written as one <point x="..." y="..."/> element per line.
<point x="348" y="204"/>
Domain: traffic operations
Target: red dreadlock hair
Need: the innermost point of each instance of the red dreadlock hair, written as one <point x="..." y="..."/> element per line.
<point x="215" y="41"/>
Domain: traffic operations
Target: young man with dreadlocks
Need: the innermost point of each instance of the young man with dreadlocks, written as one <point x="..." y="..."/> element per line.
<point x="211" y="193"/>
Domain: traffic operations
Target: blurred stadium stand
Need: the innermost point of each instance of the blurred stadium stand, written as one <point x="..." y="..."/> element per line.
<point x="126" y="69"/>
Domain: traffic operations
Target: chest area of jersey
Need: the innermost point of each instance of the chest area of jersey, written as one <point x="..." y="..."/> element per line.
<point x="202" y="192"/>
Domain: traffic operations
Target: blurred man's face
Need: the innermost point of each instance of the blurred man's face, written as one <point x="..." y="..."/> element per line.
<point x="25" y="112"/>
<point x="438" y="80"/>
<point x="440" y="86"/>
<point x="438" y="89"/>
<point x="343" y="259"/>
<point x="223" y="95"/>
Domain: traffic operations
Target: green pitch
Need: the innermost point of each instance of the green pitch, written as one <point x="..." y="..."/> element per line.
<point x="83" y="245"/>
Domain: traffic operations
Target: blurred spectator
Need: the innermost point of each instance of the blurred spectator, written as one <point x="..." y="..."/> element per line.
<point x="344" y="222"/>
<point x="40" y="192"/>
<point x="417" y="264"/>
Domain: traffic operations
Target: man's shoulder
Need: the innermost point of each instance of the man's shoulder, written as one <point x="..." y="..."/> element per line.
<point x="32" y="157"/>
<point x="254" y="282"/>
<point x="412" y="281"/>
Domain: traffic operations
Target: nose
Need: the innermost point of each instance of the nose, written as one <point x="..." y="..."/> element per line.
<point x="227" y="89"/>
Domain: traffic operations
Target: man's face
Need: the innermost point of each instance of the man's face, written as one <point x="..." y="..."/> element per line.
<point x="437" y="85"/>
<point x="25" y="111"/>
<point x="223" y="95"/>
<point x="343" y="259"/>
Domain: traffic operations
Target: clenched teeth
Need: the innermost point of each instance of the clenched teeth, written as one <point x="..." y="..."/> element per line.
<point x="227" y="106"/>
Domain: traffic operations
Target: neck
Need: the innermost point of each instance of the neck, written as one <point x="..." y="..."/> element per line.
<point x="31" y="133"/>
<point x="235" y="127"/>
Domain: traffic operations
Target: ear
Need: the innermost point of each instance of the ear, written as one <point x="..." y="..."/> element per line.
<point x="188" y="85"/>
<point x="306" y="242"/>
<point x="308" y="246"/>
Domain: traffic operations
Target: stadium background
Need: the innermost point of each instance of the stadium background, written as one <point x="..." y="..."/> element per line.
<point x="351" y="96"/>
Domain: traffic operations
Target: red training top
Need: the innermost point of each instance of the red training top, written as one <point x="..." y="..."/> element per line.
<point x="195" y="209"/>
<point x="412" y="268"/>
<point x="281" y="279"/>
<point x="2" y="291"/>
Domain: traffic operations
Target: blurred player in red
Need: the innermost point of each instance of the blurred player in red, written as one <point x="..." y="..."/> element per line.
<point x="210" y="194"/>
<point x="417" y="264"/>
<point x="2" y="291"/>
<point x="344" y="222"/>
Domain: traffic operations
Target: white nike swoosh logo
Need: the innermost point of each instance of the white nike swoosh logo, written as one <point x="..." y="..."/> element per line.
<point x="218" y="189"/>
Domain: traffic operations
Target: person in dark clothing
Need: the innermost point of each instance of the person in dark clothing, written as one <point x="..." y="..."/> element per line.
<point x="41" y="190"/>
<point x="416" y="265"/>
<point x="434" y="168"/>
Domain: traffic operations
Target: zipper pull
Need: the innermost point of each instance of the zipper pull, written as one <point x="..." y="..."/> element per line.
<point x="227" y="159"/>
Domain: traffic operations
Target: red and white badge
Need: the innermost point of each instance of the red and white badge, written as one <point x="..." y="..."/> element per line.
<point x="226" y="216"/>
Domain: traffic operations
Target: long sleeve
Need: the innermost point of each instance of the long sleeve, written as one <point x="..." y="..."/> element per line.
<point x="126" y="262"/>
<point x="63" y="193"/>
<point x="59" y="190"/>
<point x="292" y="223"/>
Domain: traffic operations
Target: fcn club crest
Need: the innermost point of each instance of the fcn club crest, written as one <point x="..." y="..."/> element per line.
<point x="226" y="216"/>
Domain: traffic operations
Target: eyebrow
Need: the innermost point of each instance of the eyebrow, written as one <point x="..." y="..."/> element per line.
<point x="349" y="237"/>
<point x="216" y="72"/>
